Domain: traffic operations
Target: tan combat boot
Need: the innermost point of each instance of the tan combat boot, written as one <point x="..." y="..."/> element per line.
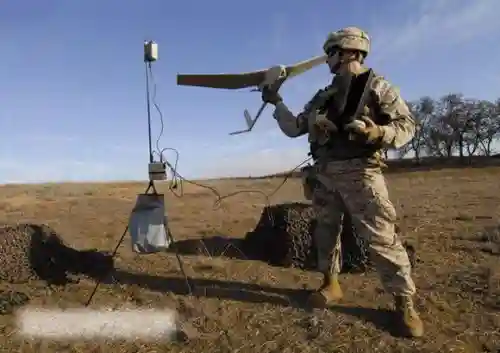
<point x="328" y="293"/>
<point x="408" y="317"/>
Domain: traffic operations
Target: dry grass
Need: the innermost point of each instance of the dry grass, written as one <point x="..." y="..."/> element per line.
<point x="243" y="306"/>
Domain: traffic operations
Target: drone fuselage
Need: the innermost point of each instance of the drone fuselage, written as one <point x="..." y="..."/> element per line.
<point x="274" y="77"/>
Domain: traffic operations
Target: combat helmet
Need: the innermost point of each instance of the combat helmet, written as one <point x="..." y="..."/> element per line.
<point x="351" y="38"/>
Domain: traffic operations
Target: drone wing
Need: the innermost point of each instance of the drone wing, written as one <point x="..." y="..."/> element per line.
<point x="303" y="66"/>
<point x="224" y="81"/>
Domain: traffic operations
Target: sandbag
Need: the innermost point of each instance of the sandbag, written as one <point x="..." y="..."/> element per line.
<point x="148" y="225"/>
<point x="283" y="237"/>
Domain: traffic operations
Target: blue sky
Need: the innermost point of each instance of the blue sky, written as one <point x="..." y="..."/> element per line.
<point x="72" y="80"/>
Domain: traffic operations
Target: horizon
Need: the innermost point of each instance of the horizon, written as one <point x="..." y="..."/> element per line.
<point x="73" y="104"/>
<point x="283" y="174"/>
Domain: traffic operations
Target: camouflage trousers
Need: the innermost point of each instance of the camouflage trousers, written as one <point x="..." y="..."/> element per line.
<point x="360" y="189"/>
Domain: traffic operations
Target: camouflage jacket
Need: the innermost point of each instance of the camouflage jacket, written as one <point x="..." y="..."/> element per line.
<point x="384" y="106"/>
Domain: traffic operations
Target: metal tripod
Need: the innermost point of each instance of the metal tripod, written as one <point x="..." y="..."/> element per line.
<point x="151" y="187"/>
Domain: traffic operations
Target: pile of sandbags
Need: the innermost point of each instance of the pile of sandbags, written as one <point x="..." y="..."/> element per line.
<point x="36" y="252"/>
<point x="283" y="237"/>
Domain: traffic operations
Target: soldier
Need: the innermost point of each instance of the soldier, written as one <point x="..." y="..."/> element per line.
<point x="348" y="168"/>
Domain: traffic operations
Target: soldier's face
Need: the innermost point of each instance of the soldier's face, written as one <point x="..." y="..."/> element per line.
<point x="333" y="63"/>
<point x="333" y="59"/>
<point x="336" y="58"/>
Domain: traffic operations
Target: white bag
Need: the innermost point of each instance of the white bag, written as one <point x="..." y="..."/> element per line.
<point x="148" y="224"/>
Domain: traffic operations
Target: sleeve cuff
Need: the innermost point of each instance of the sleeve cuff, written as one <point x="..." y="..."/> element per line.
<point x="279" y="109"/>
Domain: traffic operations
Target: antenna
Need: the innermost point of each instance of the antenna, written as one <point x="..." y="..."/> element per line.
<point x="150" y="55"/>
<point x="148" y="223"/>
<point x="157" y="169"/>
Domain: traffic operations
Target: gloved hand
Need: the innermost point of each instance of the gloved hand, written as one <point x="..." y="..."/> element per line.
<point x="325" y="125"/>
<point x="321" y="129"/>
<point x="270" y="96"/>
<point x="366" y="130"/>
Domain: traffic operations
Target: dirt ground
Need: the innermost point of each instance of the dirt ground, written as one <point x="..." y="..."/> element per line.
<point x="244" y="306"/>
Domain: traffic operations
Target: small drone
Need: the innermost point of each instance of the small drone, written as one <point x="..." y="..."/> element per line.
<point x="271" y="78"/>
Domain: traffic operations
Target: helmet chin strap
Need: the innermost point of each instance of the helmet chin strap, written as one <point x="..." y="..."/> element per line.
<point x="336" y="63"/>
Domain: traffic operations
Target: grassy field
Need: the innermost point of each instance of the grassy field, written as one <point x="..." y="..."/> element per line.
<point x="244" y="306"/>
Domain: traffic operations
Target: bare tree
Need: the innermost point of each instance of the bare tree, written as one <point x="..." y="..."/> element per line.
<point x="488" y="117"/>
<point x="423" y="112"/>
<point x="469" y="134"/>
<point x="453" y="124"/>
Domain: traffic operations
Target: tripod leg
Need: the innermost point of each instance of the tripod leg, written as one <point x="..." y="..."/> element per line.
<point x="98" y="282"/>
<point x="179" y="261"/>
<point x="172" y="242"/>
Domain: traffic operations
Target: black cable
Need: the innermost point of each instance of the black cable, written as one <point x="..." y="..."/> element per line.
<point x="177" y="178"/>
<point x="268" y="196"/>
<point x="148" y="105"/>
<point x="162" y="124"/>
<point x="220" y="198"/>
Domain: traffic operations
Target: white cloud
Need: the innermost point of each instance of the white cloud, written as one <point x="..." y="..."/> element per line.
<point x="434" y="23"/>
<point x="429" y="23"/>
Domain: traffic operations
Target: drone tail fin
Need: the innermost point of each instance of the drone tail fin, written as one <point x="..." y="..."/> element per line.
<point x="248" y="119"/>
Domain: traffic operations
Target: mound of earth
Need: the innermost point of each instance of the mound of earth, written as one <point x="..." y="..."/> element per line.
<point x="36" y="252"/>
<point x="283" y="237"/>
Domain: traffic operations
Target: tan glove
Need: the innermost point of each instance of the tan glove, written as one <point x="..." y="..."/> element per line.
<point x="366" y="130"/>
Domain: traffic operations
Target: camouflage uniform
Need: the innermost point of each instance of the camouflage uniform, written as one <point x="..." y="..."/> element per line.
<point x="349" y="179"/>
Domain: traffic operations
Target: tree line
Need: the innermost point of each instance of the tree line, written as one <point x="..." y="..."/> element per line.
<point x="453" y="126"/>
<point x="450" y="129"/>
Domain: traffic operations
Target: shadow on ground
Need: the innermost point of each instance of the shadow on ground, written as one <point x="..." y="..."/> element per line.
<point x="214" y="246"/>
<point x="249" y="293"/>
<point x="237" y="249"/>
<point x="381" y="318"/>
<point x="229" y="290"/>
